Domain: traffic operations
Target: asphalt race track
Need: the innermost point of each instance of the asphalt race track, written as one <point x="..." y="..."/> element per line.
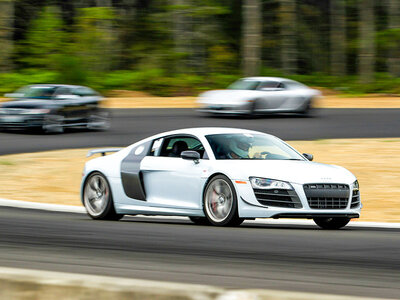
<point x="130" y="125"/>
<point x="352" y="261"/>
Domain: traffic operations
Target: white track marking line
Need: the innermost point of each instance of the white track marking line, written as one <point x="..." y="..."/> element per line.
<point x="81" y="210"/>
<point x="42" y="206"/>
<point x="62" y="285"/>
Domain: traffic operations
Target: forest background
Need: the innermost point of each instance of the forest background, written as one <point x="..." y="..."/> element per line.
<point x="183" y="47"/>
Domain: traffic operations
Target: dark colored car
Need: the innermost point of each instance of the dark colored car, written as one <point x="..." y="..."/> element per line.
<point x="53" y="107"/>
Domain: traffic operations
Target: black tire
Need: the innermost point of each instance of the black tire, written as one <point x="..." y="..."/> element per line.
<point x="308" y="110"/>
<point x="226" y="198"/>
<point x="252" y="112"/>
<point x="199" y="220"/>
<point x="99" y="120"/>
<point x="103" y="191"/>
<point x="53" y="124"/>
<point x="332" y="223"/>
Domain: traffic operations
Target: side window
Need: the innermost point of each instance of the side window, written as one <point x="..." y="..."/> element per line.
<point x="84" y="91"/>
<point x="174" y="146"/>
<point x="156" y="147"/>
<point x="293" y="85"/>
<point x="268" y="85"/>
<point x="62" y="91"/>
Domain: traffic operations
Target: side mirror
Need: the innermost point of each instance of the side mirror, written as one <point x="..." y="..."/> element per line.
<point x="310" y="157"/>
<point x="191" y="155"/>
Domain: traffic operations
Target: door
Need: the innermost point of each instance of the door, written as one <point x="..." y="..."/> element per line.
<point x="69" y="104"/>
<point x="274" y="95"/>
<point x="86" y="103"/>
<point x="171" y="181"/>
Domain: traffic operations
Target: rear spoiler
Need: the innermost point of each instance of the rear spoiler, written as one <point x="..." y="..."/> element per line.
<point x="102" y="151"/>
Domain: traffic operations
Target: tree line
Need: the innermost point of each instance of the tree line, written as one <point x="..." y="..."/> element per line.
<point x="197" y="39"/>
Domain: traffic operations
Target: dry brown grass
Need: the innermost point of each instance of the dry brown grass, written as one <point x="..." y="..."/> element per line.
<point x="190" y="102"/>
<point x="132" y="99"/>
<point x="54" y="176"/>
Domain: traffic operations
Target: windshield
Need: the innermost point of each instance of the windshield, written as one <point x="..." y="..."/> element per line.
<point x="36" y="92"/>
<point x="244" y="84"/>
<point x="250" y="146"/>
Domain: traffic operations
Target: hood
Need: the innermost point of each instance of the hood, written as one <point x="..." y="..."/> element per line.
<point x="27" y="103"/>
<point x="227" y="97"/>
<point x="299" y="172"/>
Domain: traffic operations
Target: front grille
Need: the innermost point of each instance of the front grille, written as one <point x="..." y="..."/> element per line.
<point x="327" y="196"/>
<point x="355" y="199"/>
<point x="278" y="198"/>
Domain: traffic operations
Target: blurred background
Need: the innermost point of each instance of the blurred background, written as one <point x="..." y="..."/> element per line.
<point x="183" y="47"/>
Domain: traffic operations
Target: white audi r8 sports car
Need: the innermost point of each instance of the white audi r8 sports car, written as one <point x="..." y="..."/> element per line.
<point x="218" y="176"/>
<point x="259" y="95"/>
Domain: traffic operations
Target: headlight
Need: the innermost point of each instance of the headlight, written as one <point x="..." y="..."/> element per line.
<point x="355" y="186"/>
<point x="36" y="111"/>
<point x="266" y="184"/>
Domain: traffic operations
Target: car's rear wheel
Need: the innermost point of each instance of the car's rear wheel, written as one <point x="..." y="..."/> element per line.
<point x="220" y="202"/>
<point x="99" y="120"/>
<point x="332" y="223"/>
<point x="97" y="198"/>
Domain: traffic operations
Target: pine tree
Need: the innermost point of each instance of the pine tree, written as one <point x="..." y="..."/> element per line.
<point x="338" y="37"/>
<point x="394" y="24"/>
<point x="6" y="31"/>
<point x="288" y="36"/>
<point x="366" y="55"/>
<point x="252" y="37"/>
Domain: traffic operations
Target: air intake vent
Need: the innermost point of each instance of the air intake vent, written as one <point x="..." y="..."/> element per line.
<point x="278" y="198"/>
<point x="355" y="199"/>
<point x="327" y="196"/>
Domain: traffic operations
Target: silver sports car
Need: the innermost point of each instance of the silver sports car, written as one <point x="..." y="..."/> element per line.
<point x="258" y="95"/>
<point x="218" y="176"/>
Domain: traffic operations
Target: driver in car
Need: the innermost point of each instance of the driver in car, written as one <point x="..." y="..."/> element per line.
<point x="239" y="148"/>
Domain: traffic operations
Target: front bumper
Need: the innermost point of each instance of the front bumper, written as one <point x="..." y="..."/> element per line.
<point x="223" y="111"/>
<point x="250" y="206"/>
<point x="239" y="109"/>
<point x="21" y="121"/>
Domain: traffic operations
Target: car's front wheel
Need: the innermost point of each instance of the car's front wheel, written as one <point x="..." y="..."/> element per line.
<point x="220" y="202"/>
<point x="97" y="198"/>
<point x="332" y="223"/>
<point x="53" y="124"/>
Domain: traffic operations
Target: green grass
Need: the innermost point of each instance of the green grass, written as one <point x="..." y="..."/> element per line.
<point x="160" y="82"/>
<point x="7" y="163"/>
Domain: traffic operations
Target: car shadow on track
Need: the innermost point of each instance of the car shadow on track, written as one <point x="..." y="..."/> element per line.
<point x="259" y="117"/>
<point x="182" y="222"/>
<point x="37" y="132"/>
